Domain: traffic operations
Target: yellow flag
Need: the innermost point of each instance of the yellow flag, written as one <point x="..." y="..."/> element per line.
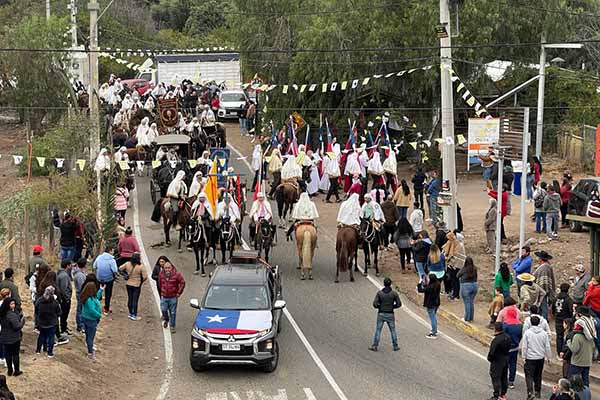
<point x="439" y="140"/>
<point x="461" y="139"/>
<point x="80" y="164"/>
<point x="414" y="145"/>
<point x="41" y="161"/>
<point x="123" y="165"/>
<point x="155" y="164"/>
<point x="285" y="89"/>
<point x="211" y="187"/>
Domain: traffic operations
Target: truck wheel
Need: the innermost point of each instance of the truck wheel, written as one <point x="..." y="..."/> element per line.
<point x="279" y="324"/>
<point x="272" y="365"/>
<point x="575" y="226"/>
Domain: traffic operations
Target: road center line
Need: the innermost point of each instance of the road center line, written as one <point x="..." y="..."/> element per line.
<point x="168" y="343"/>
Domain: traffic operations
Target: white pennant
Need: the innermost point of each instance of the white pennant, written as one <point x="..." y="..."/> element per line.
<point x="59" y="162"/>
<point x="355" y="84"/>
<point x="18" y="159"/>
<point x="333" y="86"/>
<point x="140" y="166"/>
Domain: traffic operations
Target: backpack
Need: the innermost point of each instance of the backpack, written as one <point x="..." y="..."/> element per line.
<point x="539" y="201"/>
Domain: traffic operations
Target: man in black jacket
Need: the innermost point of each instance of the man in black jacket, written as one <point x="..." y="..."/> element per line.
<point x="386" y="301"/>
<point x="498" y="358"/>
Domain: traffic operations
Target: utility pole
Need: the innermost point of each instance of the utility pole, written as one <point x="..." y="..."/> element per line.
<point x="448" y="163"/>
<point x="94" y="7"/>
<point x="539" y="128"/>
<point x="47" y="10"/>
<point x="73" y="8"/>
<point x="524" y="177"/>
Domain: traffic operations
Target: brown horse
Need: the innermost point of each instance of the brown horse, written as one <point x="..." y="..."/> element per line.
<point x="184" y="214"/>
<point x="306" y="241"/>
<point x="346" y="248"/>
<point x="286" y="196"/>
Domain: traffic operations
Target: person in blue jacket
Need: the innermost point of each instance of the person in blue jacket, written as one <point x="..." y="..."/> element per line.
<point x="105" y="267"/>
<point x="522" y="265"/>
<point x="433" y="191"/>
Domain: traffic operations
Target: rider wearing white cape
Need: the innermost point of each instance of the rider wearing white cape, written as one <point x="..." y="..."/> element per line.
<point x="261" y="208"/>
<point x="228" y="208"/>
<point x="311" y="161"/>
<point x="197" y="185"/>
<point x="352" y="164"/>
<point x="350" y="211"/>
<point x="202" y="206"/>
<point x="304" y="210"/>
<point x="291" y="169"/>
<point x="390" y="168"/>
<point x="374" y="167"/>
<point x="142" y="133"/>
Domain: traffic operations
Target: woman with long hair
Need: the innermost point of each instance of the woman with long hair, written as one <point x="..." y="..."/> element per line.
<point x="503" y="280"/>
<point x="91" y="312"/>
<point x="431" y="301"/>
<point x="136" y="275"/>
<point x="48" y="280"/>
<point x="468" y="288"/>
<point x="436" y="262"/>
<point x="454" y="251"/>
<point x="403" y="236"/>
<point x="565" y="196"/>
<point x="11" y="327"/>
<point x="403" y="198"/>
<point x="537" y="170"/>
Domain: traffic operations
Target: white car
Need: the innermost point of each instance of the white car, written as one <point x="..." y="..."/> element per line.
<point x="231" y="102"/>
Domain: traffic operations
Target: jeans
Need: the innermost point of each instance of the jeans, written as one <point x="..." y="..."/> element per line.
<point x="107" y="293"/>
<point x="544" y="307"/>
<point x="78" y="318"/>
<point x="65" y="308"/>
<point x="243" y="126"/>
<point x="12" y="352"/>
<point x="390" y="319"/>
<point x="512" y="365"/>
<point x="468" y="291"/>
<point x="487" y="171"/>
<point x="432" y="312"/>
<point x="90" y="333"/>
<point x="529" y="185"/>
<point x="540" y="221"/>
<point x="506" y="293"/>
<point x="420" y="269"/>
<point x="551" y="223"/>
<point x="583" y="371"/>
<point x="133" y="295"/>
<point x="433" y="210"/>
<point x="403" y="212"/>
<point x="405" y="257"/>
<point x="168" y="307"/>
<point x="67" y="253"/>
<point x="46" y="340"/>
<point x="533" y="375"/>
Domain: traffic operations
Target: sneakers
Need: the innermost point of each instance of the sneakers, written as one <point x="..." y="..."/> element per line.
<point x="50" y="356"/>
<point x="431" y="336"/>
<point x="396" y="348"/>
<point x="17" y="373"/>
<point x="173" y="330"/>
<point x="511" y="385"/>
<point x="92" y="356"/>
<point x="373" y="348"/>
<point x="165" y="324"/>
<point x="63" y="340"/>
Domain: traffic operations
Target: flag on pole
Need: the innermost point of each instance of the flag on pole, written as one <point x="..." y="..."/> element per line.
<point x="211" y="186"/>
<point x="329" y="137"/>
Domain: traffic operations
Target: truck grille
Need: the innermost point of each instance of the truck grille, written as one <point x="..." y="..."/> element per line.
<point x="244" y="351"/>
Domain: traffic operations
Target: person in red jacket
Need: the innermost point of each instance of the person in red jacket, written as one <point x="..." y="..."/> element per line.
<point x="494" y="195"/>
<point x="565" y="195"/>
<point x="127" y="246"/>
<point x="171" y="287"/>
<point x="592" y="296"/>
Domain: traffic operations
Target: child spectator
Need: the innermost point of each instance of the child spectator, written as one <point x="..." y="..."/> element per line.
<point x="495" y="306"/>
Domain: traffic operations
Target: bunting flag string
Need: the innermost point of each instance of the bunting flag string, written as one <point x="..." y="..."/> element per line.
<point x="467" y="96"/>
<point x="144" y="67"/>
<point x="156" y="52"/>
<point x="333" y="87"/>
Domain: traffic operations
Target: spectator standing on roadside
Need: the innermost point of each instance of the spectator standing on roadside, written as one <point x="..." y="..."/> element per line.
<point x="454" y="250"/>
<point x="522" y="265"/>
<point x="171" y="288"/>
<point x="565" y="195"/>
<point x="121" y="200"/>
<point x="539" y="195"/>
<point x="127" y="246"/>
<point x="135" y="274"/>
<point x="91" y="312"/>
<point x="386" y="301"/>
<point x="403" y="237"/>
<point x="403" y="199"/>
<point x="48" y="312"/>
<point x="418" y="181"/>
<point x="68" y="230"/>
<point x="503" y="280"/>
<point x="421" y="252"/>
<point x="504" y="211"/>
<point x="468" y="288"/>
<point x="514" y="329"/>
<point x="416" y="218"/>
<point x="489" y="226"/>
<point x="495" y="306"/>
<point x="533" y="311"/>
<point x="11" y="327"/>
<point x="391" y="216"/>
<point x="581" y="345"/>
<point x="431" y="302"/>
<point x="106" y="268"/>
<point x="36" y="260"/>
<point x="562" y="310"/>
<point x="544" y="276"/>
<point x="498" y="358"/>
<point x="580" y="284"/>
<point x="9" y="283"/>
<point x="433" y="191"/>
<point x="552" y="204"/>
<point x="535" y="347"/>
<point x="79" y="273"/>
<point x="65" y="293"/>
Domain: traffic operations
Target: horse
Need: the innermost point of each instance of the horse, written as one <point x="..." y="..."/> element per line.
<point x="227" y="237"/>
<point x="166" y="212"/>
<point x="370" y="244"/>
<point x="199" y="233"/>
<point x="346" y="248"/>
<point x="221" y="136"/>
<point x="264" y="238"/>
<point x="185" y="213"/>
<point x="306" y="242"/>
<point x="138" y="153"/>
<point x="286" y="196"/>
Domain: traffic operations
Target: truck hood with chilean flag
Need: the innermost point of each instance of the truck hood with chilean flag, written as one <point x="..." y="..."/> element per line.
<point x="232" y="322"/>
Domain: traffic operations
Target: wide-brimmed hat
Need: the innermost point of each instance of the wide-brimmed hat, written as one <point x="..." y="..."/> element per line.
<point x="579" y="268"/>
<point x="526" y="277"/>
<point x="544" y="255"/>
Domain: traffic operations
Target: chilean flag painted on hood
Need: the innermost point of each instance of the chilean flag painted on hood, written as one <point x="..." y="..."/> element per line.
<point x="234" y="322"/>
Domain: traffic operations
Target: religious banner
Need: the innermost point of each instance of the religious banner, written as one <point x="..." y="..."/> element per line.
<point x="482" y="134"/>
<point x="167" y="109"/>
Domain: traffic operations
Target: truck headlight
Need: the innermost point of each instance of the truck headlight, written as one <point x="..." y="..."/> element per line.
<point x="199" y="332"/>
<point x="264" y="332"/>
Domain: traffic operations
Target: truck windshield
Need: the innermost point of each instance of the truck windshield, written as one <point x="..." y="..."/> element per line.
<point x="237" y="298"/>
<point x="233" y="97"/>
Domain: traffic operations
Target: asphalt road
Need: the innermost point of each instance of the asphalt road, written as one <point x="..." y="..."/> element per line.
<point x="327" y="356"/>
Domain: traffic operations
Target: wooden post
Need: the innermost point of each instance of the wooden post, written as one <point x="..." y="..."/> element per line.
<point x="38" y="226"/>
<point x="11" y="235"/>
<point x="26" y="238"/>
<point x="51" y="225"/>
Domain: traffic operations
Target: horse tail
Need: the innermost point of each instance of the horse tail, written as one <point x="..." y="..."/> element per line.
<point x="306" y="249"/>
<point x="342" y="256"/>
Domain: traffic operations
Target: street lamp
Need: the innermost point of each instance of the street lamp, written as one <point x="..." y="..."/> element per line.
<point x="542" y="81"/>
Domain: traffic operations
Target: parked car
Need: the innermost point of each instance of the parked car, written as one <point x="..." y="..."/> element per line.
<point x="231" y="102"/>
<point x="141" y="85"/>
<point x="240" y="315"/>
<point x="581" y="202"/>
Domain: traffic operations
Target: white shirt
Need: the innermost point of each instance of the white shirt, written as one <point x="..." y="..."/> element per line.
<point x="261" y="209"/>
<point x="234" y="211"/>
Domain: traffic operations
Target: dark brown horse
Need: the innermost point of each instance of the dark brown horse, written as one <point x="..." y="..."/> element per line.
<point x="184" y="214"/>
<point x="346" y="248"/>
<point x="286" y="196"/>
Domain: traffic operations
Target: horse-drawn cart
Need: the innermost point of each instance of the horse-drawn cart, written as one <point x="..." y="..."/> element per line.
<point x="182" y="146"/>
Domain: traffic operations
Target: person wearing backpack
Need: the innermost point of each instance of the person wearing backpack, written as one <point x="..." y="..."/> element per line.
<point x="538" y="202"/>
<point x="135" y="274"/>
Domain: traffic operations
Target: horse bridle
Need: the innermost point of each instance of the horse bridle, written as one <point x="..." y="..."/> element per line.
<point x="229" y="234"/>
<point x="368" y="237"/>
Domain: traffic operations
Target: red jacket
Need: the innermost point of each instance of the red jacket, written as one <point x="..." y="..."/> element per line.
<point x="493" y="194"/>
<point x="173" y="286"/>
<point x="565" y="193"/>
<point x="128" y="245"/>
<point x="592" y="297"/>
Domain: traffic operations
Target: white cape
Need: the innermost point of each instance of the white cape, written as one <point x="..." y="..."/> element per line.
<point x="291" y="169"/>
<point x="389" y="165"/>
<point x="305" y="208"/>
<point x="352" y="165"/>
<point x="350" y="211"/>
<point x="374" y="165"/>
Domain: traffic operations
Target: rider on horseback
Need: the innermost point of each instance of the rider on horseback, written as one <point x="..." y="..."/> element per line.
<point x="177" y="192"/>
<point x="261" y="209"/>
<point x="305" y="211"/>
<point x="371" y="211"/>
<point x="202" y="209"/>
<point x="350" y="212"/>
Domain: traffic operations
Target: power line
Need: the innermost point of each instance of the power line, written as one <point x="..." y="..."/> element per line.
<point x="258" y="62"/>
<point x="314" y="13"/>
<point x="551" y="10"/>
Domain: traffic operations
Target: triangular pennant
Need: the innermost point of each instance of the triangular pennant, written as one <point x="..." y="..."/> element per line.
<point x="59" y="162"/>
<point x="284" y="90"/>
<point x="471" y="101"/>
<point x="333" y="86"/>
<point x="123" y="165"/>
<point x="414" y="145"/>
<point x="454" y="78"/>
<point x="312" y="87"/>
<point x="324" y="87"/>
<point x="140" y="166"/>
<point x="477" y="106"/>
<point x="344" y="85"/>
<point x="17" y="159"/>
<point x="80" y="164"/>
<point x="271" y="87"/>
<point x="41" y="161"/>
<point x="389" y="75"/>
<point x="302" y="88"/>
<point x="377" y="76"/>
<point x="400" y="73"/>
<point x="466" y="94"/>
<point x="427" y="142"/>
<point x="193" y="163"/>
<point x="427" y="67"/>
<point x="222" y="161"/>
<point x="366" y="81"/>
<point x="414" y="125"/>
<point x="355" y="84"/>
<point x="295" y="86"/>
<point x="461" y="139"/>
<point x="155" y="164"/>
<point x="439" y="140"/>
<point x="460" y="87"/>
